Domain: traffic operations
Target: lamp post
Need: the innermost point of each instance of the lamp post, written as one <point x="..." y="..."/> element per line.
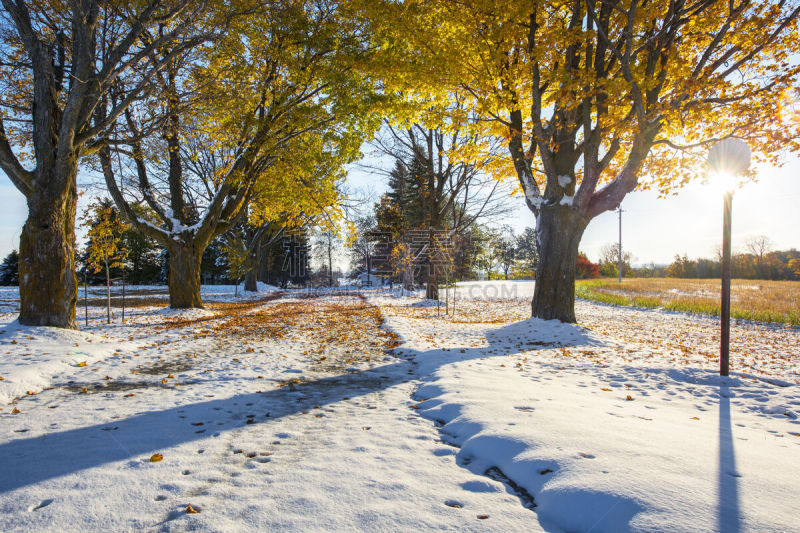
<point x="727" y="158"/>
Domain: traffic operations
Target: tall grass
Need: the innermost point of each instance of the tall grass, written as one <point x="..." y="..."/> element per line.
<point x="759" y="300"/>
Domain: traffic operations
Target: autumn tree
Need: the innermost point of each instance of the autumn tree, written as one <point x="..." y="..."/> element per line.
<point x="104" y="250"/>
<point x="58" y="60"/>
<point x="236" y="255"/>
<point x="278" y="92"/>
<point x="596" y="98"/>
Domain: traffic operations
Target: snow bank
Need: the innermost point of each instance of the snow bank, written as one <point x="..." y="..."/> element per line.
<point x="33" y="357"/>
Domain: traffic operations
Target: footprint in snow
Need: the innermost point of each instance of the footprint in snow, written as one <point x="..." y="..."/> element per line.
<point x="478" y="486"/>
<point x="43" y="503"/>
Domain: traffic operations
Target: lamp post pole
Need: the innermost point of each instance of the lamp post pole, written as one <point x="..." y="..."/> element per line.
<point x="730" y="156"/>
<point x="725" y="304"/>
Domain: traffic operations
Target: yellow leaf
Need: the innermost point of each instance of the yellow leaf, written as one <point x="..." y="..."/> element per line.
<point x="82" y="363"/>
<point x="191" y="510"/>
<point x="156" y="457"/>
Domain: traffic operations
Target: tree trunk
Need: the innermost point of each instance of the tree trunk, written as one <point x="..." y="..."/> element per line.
<point x="559" y="230"/>
<point x="184" y="276"/>
<point x="432" y="288"/>
<point x="108" y="295"/>
<point x="48" y="287"/>
<point x="251" y="280"/>
<point x="330" y="265"/>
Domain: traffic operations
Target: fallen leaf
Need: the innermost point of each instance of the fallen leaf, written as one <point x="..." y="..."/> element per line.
<point x="191" y="510"/>
<point x="605" y="389"/>
<point x="14" y="411"/>
<point x="156" y="457"/>
<point x="483" y="516"/>
<point x="629" y="398"/>
<point x="82" y="363"/>
<point x="695" y="418"/>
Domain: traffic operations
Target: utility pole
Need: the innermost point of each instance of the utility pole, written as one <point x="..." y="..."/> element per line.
<point x="619" y="248"/>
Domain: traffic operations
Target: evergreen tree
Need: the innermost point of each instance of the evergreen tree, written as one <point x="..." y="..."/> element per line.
<point x="528" y="252"/>
<point x="9" y="269"/>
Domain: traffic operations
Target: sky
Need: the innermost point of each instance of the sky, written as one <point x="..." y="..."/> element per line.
<point x="653" y="229"/>
<point x="656" y="229"/>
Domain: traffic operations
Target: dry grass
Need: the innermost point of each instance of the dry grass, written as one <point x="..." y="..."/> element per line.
<point x="764" y="301"/>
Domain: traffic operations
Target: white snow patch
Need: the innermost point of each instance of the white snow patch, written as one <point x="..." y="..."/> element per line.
<point x="34" y="358"/>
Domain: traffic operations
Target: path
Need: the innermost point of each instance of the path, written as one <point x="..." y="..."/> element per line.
<point x="285" y="414"/>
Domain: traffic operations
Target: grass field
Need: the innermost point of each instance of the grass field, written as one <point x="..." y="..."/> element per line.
<point x="764" y="301"/>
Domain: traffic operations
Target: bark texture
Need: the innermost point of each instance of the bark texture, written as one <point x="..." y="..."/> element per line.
<point x="251" y="280"/>
<point x="559" y="232"/>
<point x="48" y="287"/>
<point x="184" y="276"/>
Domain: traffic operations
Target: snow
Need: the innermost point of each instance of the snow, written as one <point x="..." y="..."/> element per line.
<point x="35" y="356"/>
<point x="326" y="411"/>
<point x="547" y="405"/>
<point x="564" y="181"/>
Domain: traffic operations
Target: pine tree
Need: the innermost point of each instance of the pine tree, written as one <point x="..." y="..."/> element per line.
<point x="9" y="269"/>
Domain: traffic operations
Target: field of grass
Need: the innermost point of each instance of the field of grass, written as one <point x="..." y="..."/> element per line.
<point x="764" y="301"/>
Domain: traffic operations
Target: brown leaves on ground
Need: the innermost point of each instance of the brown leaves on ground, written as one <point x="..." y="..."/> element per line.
<point x="156" y="457"/>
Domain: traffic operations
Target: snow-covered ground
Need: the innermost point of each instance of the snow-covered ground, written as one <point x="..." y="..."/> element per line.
<point x="326" y="411"/>
<point x="622" y="427"/>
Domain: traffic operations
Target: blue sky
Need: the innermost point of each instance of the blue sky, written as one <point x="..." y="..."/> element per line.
<point x="653" y="229"/>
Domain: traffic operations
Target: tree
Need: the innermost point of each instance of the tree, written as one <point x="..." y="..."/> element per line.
<point x="609" y="261"/>
<point x="326" y="246"/>
<point x="440" y="182"/>
<point x="528" y="251"/>
<point x="794" y="265"/>
<point x="259" y="239"/>
<point x="277" y="92"/>
<point x="58" y="62"/>
<point x="596" y="98"/>
<point x="236" y="256"/>
<point x="584" y="268"/>
<point x="104" y="250"/>
<point x="9" y="269"/>
<point x="505" y="249"/>
<point x="143" y="262"/>
<point x="363" y="242"/>
<point x="759" y="245"/>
